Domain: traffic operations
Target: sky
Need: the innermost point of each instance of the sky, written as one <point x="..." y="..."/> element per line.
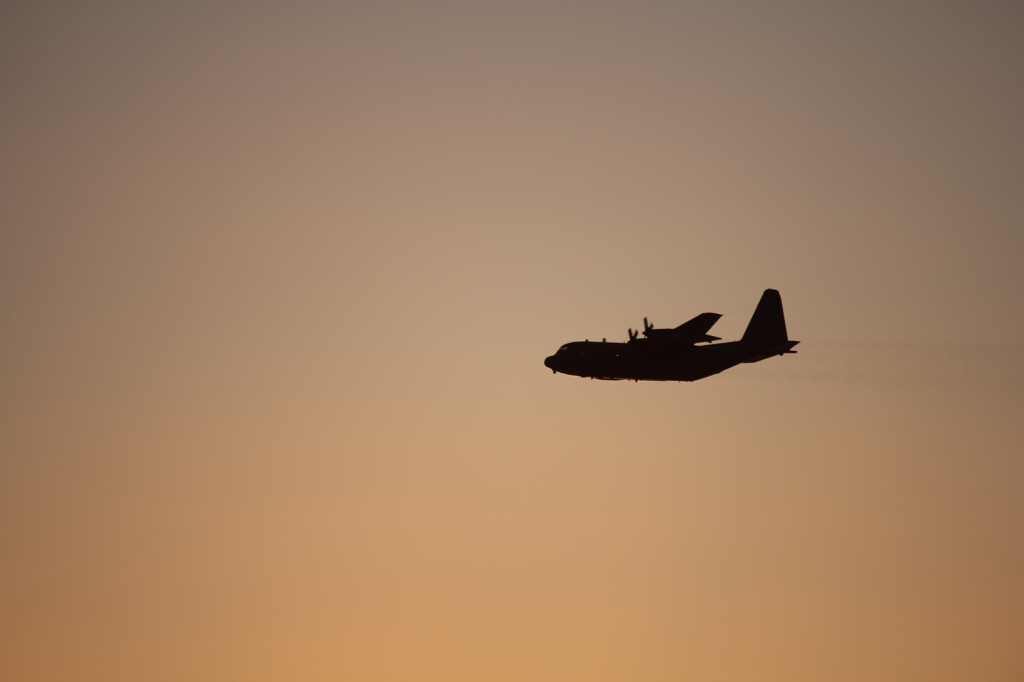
<point x="277" y="281"/>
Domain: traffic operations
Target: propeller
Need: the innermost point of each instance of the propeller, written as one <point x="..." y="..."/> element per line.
<point x="647" y="326"/>
<point x="633" y="334"/>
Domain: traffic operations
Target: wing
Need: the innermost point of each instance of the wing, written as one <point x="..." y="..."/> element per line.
<point x="696" y="330"/>
<point x="688" y="333"/>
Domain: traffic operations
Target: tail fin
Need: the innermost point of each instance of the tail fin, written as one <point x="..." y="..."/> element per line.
<point x="768" y="324"/>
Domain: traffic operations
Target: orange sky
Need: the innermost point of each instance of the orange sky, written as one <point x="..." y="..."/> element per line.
<point x="276" y="285"/>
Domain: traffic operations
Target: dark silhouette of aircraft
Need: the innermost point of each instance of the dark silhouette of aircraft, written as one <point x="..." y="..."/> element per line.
<point x="673" y="354"/>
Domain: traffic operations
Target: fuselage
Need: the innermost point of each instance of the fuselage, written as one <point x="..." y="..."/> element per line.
<point x="679" y="354"/>
<point x="647" y="360"/>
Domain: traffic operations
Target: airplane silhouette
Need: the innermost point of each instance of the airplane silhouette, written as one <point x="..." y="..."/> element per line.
<point x="672" y="354"/>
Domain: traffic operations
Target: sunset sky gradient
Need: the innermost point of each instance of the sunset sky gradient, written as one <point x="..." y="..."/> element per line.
<point x="277" y="281"/>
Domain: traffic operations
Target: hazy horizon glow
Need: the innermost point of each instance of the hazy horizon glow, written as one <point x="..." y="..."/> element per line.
<point x="277" y="282"/>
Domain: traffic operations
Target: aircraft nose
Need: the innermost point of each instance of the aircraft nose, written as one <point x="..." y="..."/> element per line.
<point x="549" y="361"/>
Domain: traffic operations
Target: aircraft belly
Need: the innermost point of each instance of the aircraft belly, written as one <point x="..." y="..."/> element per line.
<point x="690" y="367"/>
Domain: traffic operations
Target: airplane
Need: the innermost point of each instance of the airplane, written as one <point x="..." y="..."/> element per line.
<point x="673" y="354"/>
